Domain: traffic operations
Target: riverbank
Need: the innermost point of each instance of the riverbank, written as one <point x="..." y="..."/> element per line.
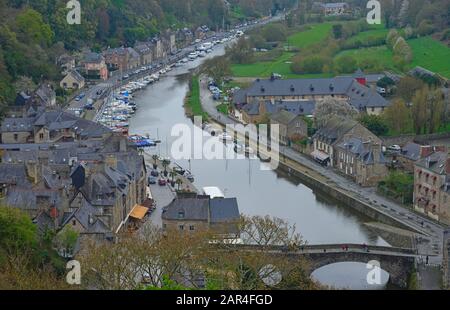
<point x="364" y="200"/>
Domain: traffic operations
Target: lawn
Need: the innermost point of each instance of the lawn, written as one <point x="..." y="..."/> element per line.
<point x="193" y="103"/>
<point x="316" y="34"/>
<point x="380" y="53"/>
<point x="428" y="53"/>
<point x="223" y="108"/>
<point x="431" y="54"/>
<point x="282" y="65"/>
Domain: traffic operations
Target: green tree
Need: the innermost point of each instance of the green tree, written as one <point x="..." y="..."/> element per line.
<point x="17" y="231"/>
<point x="337" y="31"/>
<point x="275" y="33"/>
<point x="375" y="124"/>
<point x="31" y="24"/>
<point x="398" y="117"/>
<point x="407" y="86"/>
<point x="217" y="68"/>
<point x="345" y="64"/>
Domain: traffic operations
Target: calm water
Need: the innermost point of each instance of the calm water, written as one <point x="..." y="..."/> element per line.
<point x="350" y="275"/>
<point x="319" y="219"/>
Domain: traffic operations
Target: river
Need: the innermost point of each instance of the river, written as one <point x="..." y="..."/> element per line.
<point x="318" y="218"/>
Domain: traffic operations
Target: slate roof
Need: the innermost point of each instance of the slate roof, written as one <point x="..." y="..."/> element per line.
<point x="411" y="151"/>
<point x="363" y="151"/>
<point x="17" y="124"/>
<point x="55" y="120"/>
<point x="14" y="174"/>
<point x="122" y="51"/>
<point x="142" y="48"/>
<point x="335" y="128"/>
<point x="132" y="52"/>
<point x="224" y="210"/>
<point x="295" y="107"/>
<point x="219" y="210"/>
<point x="360" y="96"/>
<point x="93" y="58"/>
<point x="300" y="87"/>
<point x="335" y="5"/>
<point x="283" y="117"/>
<point x="76" y="75"/>
<point x="436" y="162"/>
<point x="194" y="209"/>
<point x="46" y="93"/>
<point x="87" y="216"/>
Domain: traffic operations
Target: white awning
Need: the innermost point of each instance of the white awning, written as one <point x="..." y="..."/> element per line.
<point x="320" y="155"/>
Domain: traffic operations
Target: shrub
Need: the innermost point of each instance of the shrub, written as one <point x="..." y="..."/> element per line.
<point x="425" y="28"/>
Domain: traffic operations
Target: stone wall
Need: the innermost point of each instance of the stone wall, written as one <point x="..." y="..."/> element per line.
<point x="421" y="139"/>
<point x="360" y="206"/>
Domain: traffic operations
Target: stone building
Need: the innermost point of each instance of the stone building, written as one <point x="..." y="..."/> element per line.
<point x="134" y="59"/>
<point x="49" y="126"/>
<point x="73" y="80"/>
<point x="89" y="179"/>
<point x="117" y="59"/>
<point x="145" y="53"/>
<point x="94" y="66"/>
<point x="291" y="126"/>
<point x="327" y="137"/>
<point x="346" y="89"/>
<point x="361" y="160"/>
<point x="190" y="213"/>
<point x="432" y="186"/>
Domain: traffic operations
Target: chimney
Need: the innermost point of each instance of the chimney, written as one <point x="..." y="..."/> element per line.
<point x="376" y="151"/>
<point x="426" y="150"/>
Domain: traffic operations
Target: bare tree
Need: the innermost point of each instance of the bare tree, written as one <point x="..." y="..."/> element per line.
<point x="329" y="108"/>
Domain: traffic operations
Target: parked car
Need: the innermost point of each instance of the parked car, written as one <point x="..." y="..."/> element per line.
<point x="395" y="148"/>
<point x="162" y="182"/>
<point x="154" y="173"/>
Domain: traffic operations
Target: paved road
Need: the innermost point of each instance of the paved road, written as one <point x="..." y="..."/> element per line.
<point x="429" y="244"/>
<point x="115" y="81"/>
<point x="163" y="196"/>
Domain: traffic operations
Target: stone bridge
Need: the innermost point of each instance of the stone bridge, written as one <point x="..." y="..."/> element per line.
<point x="398" y="262"/>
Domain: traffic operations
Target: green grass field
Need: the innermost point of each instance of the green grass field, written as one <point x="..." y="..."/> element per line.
<point x="316" y="34"/>
<point x="381" y="53"/>
<point x="428" y="53"/>
<point x="282" y="65"/>
<point x="431" y="54"/>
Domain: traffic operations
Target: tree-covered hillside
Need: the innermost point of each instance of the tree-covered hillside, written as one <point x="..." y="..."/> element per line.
<point x="34" y="33"/>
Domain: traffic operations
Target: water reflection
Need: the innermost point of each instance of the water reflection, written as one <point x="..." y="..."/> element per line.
<point x="319" y="218"/>
<point x="351" y="275"/>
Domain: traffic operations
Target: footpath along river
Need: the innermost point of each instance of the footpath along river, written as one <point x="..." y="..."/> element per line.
<point x="318" y="218"/>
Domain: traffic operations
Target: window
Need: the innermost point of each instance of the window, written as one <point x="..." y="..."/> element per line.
<point x="41" y="136"/>
<point x="16" y="137"/>
<point x="181" y="227"/>
<point x="74" y="223"/>
<point x="192" y="228"/>
<point x="181" y="215"/>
